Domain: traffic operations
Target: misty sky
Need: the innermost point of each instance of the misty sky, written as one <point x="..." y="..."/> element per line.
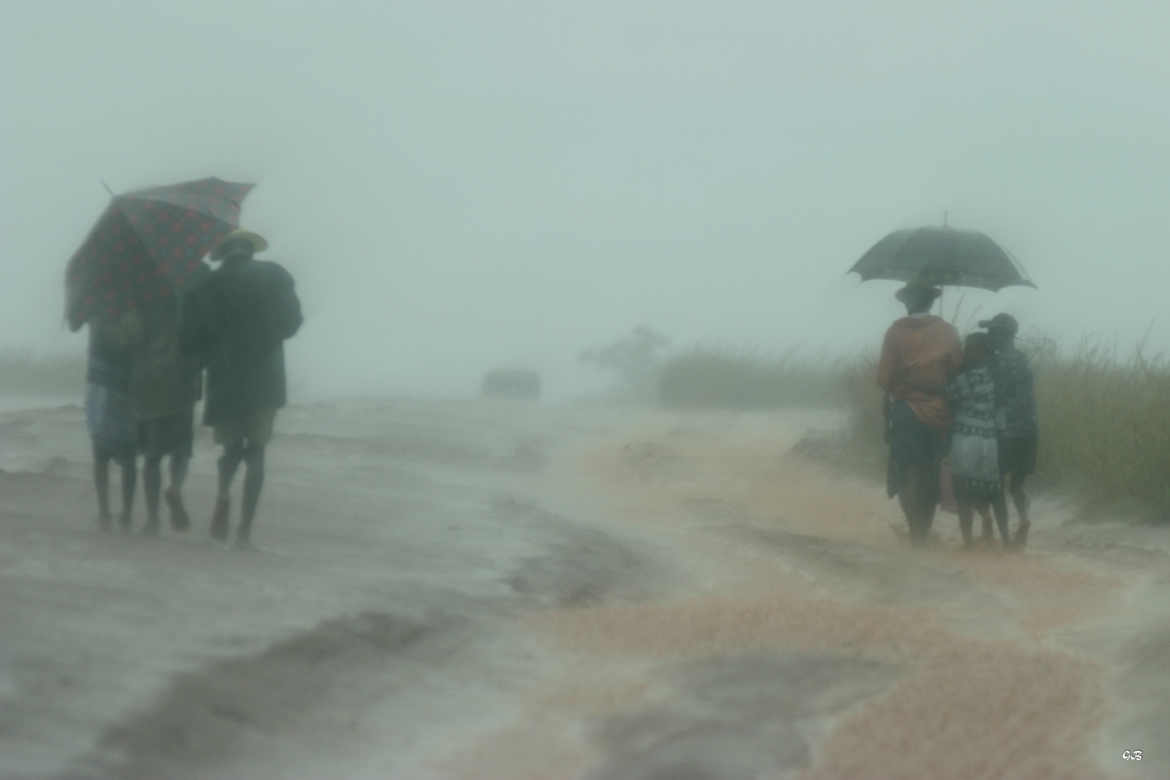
<point x="460" y="184"/>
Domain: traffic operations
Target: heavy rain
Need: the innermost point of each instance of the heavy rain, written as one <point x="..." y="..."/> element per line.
<point x="587" y="391"/>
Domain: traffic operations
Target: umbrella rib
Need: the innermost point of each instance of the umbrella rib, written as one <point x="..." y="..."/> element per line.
<point x="902" y="237"/>
<point x="1019" y="265"/>
<point x="217" y="191"/>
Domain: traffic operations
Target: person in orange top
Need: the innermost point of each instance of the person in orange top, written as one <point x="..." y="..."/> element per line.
<point x="920" y="354"/>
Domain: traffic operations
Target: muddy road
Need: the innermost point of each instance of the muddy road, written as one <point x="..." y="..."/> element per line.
<point x="472" y="590"/>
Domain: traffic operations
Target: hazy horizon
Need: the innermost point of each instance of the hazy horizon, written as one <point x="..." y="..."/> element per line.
<point x="456" y="186"/>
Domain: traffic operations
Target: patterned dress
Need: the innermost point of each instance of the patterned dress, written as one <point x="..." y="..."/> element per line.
<point x="974" y="448"/>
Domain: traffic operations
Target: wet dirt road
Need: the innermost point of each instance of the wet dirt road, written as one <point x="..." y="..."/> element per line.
<point x="449" y="590"/>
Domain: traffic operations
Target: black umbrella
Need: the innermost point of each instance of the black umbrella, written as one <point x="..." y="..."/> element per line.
<point x="147" y="243"/>
<point x="942" y="256"/>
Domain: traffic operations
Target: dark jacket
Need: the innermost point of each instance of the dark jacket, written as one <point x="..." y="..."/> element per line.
<point x="1015" y="389"/>
<point x="235" y="323"/>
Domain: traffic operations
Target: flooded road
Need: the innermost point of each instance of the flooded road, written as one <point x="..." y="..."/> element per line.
<point x="450" y="590"/>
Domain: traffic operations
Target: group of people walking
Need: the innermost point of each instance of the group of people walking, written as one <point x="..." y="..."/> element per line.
<point x="145" y="374"/>
<point x="970" y="404"/>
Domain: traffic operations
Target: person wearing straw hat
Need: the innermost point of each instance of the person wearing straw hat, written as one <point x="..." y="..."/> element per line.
<point x="920" y="354"/>
<point x="236" y="322"/>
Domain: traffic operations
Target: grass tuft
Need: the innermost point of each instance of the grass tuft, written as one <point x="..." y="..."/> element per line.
<point x="711" y="378"/>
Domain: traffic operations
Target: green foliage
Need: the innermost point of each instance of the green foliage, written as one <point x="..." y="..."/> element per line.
<point x="1105" y="424"/>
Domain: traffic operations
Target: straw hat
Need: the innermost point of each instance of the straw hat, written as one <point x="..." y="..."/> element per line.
<point x="255" y="239"/>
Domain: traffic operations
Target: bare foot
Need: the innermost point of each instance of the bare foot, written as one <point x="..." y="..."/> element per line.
<point x="1021" y="538"/>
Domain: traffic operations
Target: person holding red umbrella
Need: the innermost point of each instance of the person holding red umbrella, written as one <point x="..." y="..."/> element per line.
<point x="126" y="279"/>
<point x="109" y="410"/>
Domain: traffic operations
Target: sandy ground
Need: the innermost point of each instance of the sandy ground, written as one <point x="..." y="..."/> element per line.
<point x="473" y="590"/>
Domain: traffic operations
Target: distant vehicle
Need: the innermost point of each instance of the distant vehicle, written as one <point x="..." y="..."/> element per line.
<point x="519" y="383"/>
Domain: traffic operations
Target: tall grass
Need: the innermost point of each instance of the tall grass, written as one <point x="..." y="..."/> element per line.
<point x="712" y="378"/>
<point x="1105" y="424"/>
<point x="1104" y="413"/>
<point x="26" y="373"/>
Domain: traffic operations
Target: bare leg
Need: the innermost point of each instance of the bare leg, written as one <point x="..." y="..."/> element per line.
<point x="1020" y="499"/>
<point x="253" y="484"/>
<point x="908" y="499"/>
<point x="914" y="505"/>
<point x="179" y="467"/>
<point x="101" y="482"/>
<point x="999" y="505"/>
<point x="1005" y="485"/>
<point x="152" y="484"/>
<point x="129" y="483"/>
<point x="965" y="522"/>
<point x="229" y="463"/>
<point x="180" y="520"/>
<point x="928" y="499"/>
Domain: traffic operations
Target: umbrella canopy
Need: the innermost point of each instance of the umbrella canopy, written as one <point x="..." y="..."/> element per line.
<point x="148" y="243"/>
<point x="942" y="256"/>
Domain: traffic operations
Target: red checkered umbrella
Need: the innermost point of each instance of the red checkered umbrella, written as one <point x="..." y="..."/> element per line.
<point x="148" y="242"/>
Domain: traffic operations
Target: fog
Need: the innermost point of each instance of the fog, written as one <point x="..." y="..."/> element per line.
<point x="456" y="185"/>
<point x="508" y="590"/>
